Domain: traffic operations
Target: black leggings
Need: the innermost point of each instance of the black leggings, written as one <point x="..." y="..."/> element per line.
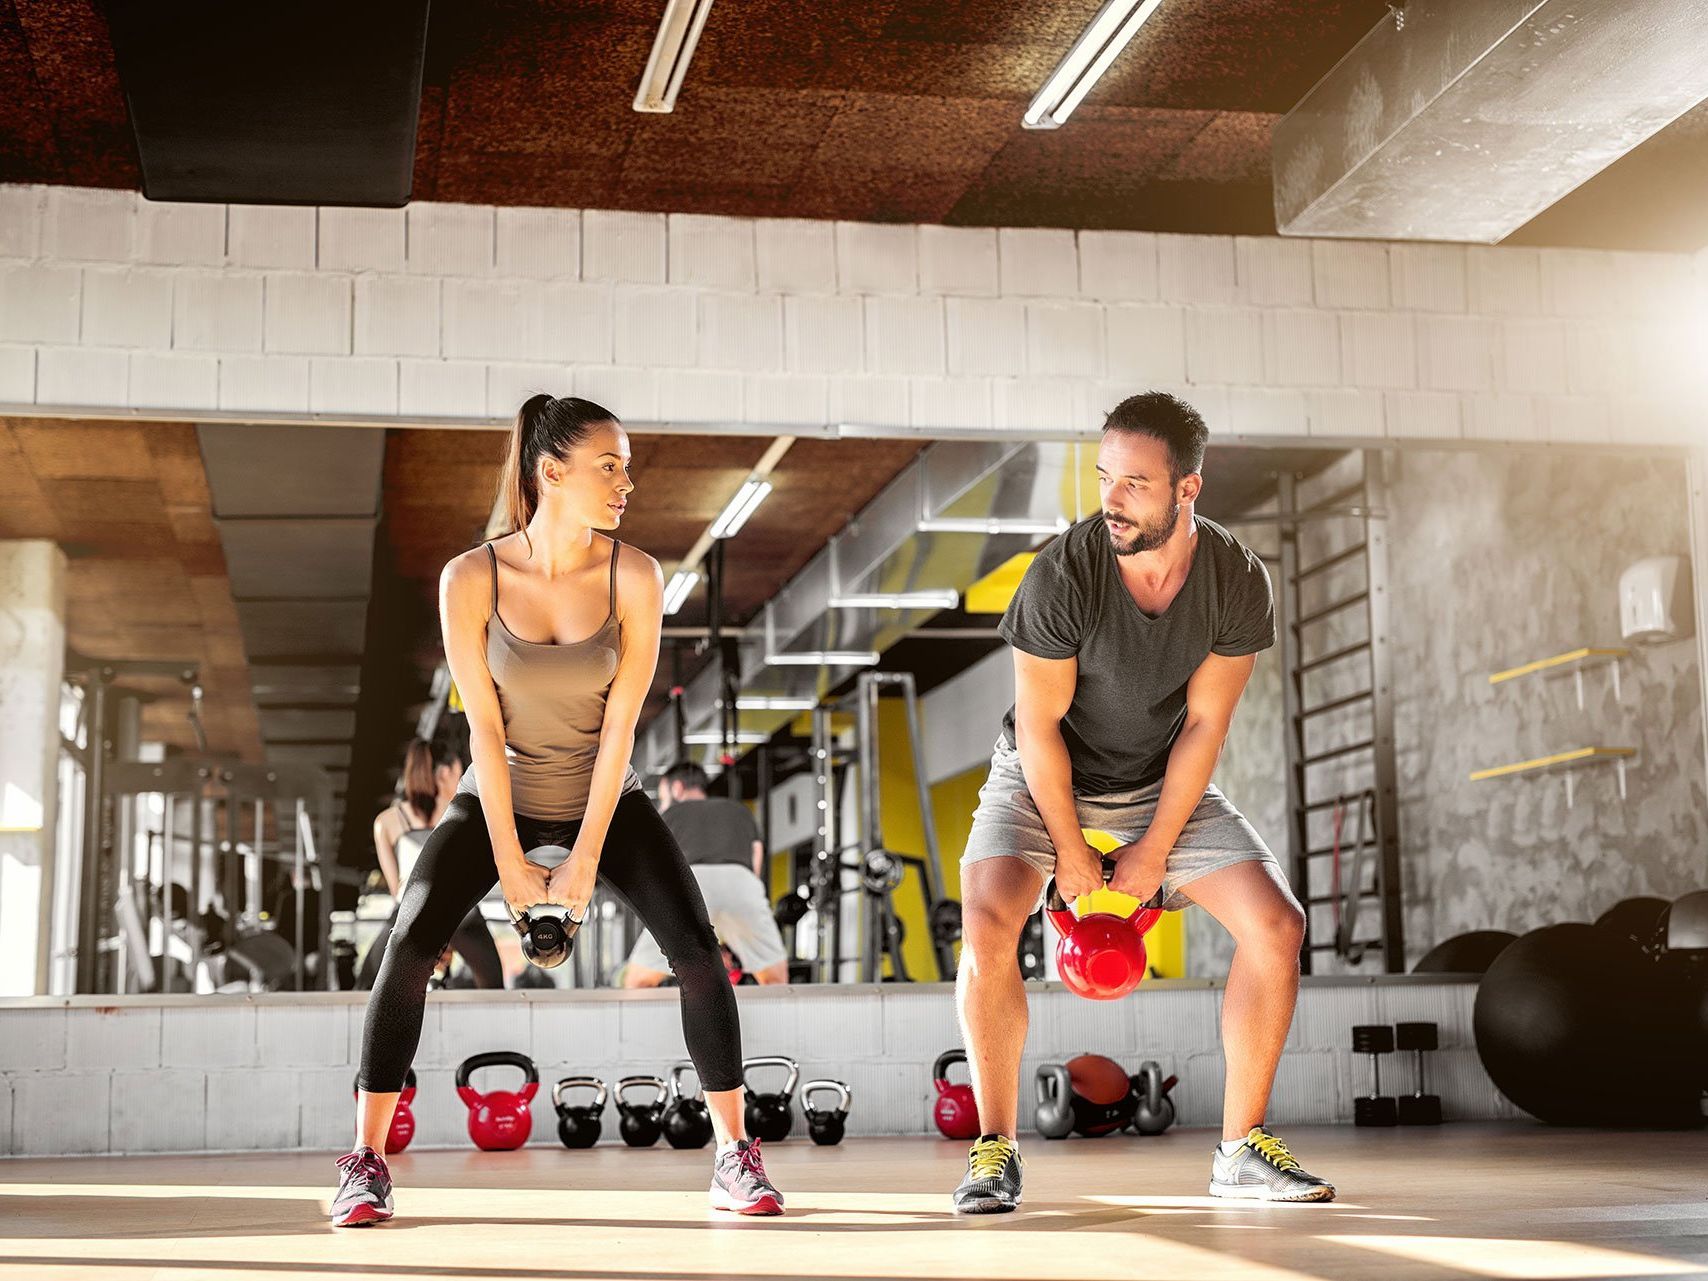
<point x="472" y="941"/>
<point x="641" y="862"/>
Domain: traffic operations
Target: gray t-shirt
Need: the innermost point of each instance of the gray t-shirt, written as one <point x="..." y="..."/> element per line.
<point x="713" y="830"/>
<point x="1129" y="702"/>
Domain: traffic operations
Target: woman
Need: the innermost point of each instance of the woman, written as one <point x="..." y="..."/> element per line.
<point x="551" y="633"/>
<point x="424" y="789"/>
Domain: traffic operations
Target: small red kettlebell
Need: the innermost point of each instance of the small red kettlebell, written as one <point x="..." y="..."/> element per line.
<point x="956" y="1111"/>
<point x="499" y="1121"/>
<point x="1100" y="955"/>
<point x="402" y="1118"/>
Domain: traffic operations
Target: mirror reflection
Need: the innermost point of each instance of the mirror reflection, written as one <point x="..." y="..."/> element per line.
<point x="1482" y="711"/>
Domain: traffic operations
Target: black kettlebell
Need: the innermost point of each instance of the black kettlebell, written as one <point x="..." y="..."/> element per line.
<point x="547" y="929"/>
<point x="826" y="1127"/>
<point x="578" y="1125"/>
<point x="1153" y="1109"/>
<point x="770" y="1116"/>
<point x="642" y="1122"/>
<point x="687" y="1121"/>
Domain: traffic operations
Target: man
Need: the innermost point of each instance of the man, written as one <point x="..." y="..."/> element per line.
<point x="1134" y="634"/>
<point x="724" y="850"/>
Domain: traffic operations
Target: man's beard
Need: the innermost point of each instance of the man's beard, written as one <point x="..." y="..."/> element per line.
<point x="1142" y="538"/>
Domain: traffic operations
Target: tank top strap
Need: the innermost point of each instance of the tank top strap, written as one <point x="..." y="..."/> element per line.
<point x="493" y="556"/>
<point x="615" y="548"/>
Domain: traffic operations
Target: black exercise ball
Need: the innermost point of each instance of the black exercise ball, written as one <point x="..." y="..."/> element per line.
<point x="1636" y="919"/>
<point x="1471" y="953"/>
<point x="1573" y="1026"/>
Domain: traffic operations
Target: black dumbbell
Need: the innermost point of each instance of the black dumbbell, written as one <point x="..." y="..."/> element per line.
<point x="1418" y="1108"/>
<point x="1376" y="1108"/>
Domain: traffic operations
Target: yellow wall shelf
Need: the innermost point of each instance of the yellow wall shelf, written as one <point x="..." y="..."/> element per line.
<point x="1572" y="663"/>
<point x="1566" y="762"/>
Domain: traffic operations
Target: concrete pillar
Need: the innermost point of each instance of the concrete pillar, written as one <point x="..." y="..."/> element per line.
<point x="32" y="663"/>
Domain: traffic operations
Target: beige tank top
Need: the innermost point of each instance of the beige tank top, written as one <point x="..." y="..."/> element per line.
<point x="553" y="701"/>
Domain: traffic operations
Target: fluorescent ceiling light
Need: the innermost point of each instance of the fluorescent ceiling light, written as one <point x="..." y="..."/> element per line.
<point x="678" y="33"/>
<point x="825" y="658"/>
<point x="945" y="598"/>
<point x="711" y="738"/>
<point x="1116" y="23"/>
<point x="774" y="703"/>
<point x="734" y="516"/>
<point x="989" y="525"/>
<point x="678" y="589"/>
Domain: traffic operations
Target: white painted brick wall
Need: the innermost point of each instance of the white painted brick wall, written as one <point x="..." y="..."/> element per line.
<point x="70" y="374"/>
<point x="795" y="255"/>
<point x="1197" y="269"/>
<point x="1037" y="262"/>
<point x="176" y="234"/>
<point x="1032" y="404"/>
<point x="271" y="236"/>
<point x="538" y="242"/>
<point x="361" y="240"/>
<point x="623" y="246"/>
<point x="875" y="258"/>
<point x="18" y="374"/>
<point x="449" y="240"/>
<point x="1064" y="339"/>
<point x="823" y="335"/>
<point x="1274" y="272"/>
<point x="1265" y="411"/>
<point x="904" y="336"/>
<point x="305" y="314"/>
<point x="1430" y="414"/>
<point x="396" y="316"/>
<point x="124" y="307"/>
<point x="1120" y="266"/>
<point x="722" y="321"/>
<point x="714" y="252"/>
<point x="958" y="260"/>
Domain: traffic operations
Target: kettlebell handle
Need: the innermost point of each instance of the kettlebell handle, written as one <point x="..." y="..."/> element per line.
<point x="1057" y="907"/>
<point x="580" y="1082"/>
<point x="945" y="1061"/>
<point x="773" y="1060"/>
<point x="676" y="1075"/>
<point x="656" y="1082"/>
<point x="825" y="1083"/>
<point x="497" y="1058"/>
<point x="1054" y="1075"/>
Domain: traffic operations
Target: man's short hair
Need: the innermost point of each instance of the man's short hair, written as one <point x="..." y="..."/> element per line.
<point x="1168" y="419"/>
<point x="690" y="775"/>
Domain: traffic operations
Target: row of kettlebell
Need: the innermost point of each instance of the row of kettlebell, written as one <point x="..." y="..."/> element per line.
<point x="501" y="1120"/>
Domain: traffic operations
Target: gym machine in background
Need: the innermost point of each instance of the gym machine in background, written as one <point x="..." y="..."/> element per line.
<point x="177" y="873"/>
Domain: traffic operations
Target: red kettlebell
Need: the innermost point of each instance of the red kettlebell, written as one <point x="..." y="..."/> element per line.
<point x="1100" y="955"/>
<point x="956" y="1111"/>
<point x="499" y="1121"/>
<point x="402" y="1118"/>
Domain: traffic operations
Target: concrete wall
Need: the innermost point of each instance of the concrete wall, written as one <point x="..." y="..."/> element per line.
<point x="455" y="312"/>
<point x="181" y="1075"/>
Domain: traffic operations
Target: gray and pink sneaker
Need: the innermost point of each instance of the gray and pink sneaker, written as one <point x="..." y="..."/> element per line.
<point x="364" y="1196"/>
<point x="740" y="1184"/>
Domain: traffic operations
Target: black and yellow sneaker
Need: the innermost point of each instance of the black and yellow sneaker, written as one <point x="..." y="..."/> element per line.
<point x="1262" y="1169"/>
<point x="992" y="1185"/>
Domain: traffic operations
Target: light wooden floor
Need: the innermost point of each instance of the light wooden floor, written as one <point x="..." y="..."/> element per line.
<point x="1463" y="1201"/>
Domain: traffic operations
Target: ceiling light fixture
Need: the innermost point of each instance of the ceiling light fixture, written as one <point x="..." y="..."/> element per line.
<point x="990" y="525"/>
<point x="678" y="589"/>
<point x="1116" y="23"/>
<point x="746" y="501"/>
<point x="678" y="33"/>
<point x="774" y="703"/>
<point x="825" y="658"/>
<point x="945" y="598"/>
<point x="711" y="738"/>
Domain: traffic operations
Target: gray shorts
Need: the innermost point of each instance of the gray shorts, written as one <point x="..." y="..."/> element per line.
<point x="741" y="915"/>
<point x="1007" y="824"/>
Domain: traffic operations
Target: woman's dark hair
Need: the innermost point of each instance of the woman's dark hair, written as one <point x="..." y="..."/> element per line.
<point x="418" y="784"/>
<point x="546" y="426"/>
<point x="1168" y="419"/>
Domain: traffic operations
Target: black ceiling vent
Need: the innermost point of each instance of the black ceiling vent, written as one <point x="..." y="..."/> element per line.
<point x="312" y="102"/>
